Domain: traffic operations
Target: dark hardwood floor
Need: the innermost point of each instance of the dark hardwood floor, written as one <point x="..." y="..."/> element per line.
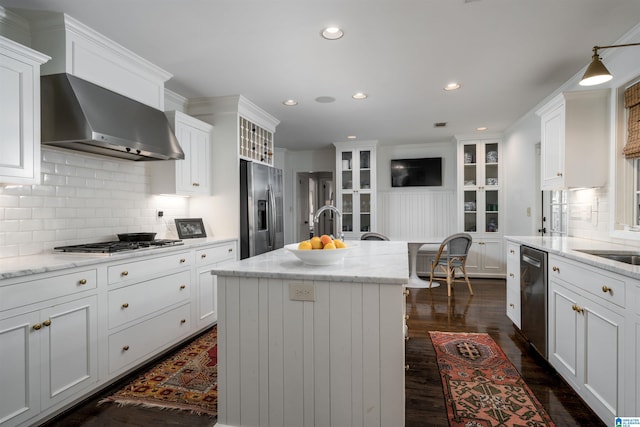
<point x="428" y="310"/>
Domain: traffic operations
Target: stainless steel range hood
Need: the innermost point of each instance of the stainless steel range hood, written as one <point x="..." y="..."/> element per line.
<point x="80" y="115"/>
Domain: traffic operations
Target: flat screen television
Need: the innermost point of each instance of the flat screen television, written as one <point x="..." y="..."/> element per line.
<point x="424" y="172"/>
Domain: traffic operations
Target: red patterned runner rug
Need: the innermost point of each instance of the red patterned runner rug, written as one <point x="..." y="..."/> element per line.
<point x="186" y="380"/>
<point x="481" y="386"/>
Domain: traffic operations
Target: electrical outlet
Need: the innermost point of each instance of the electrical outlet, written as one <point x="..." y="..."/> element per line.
<point x="302" y="292"/>
<point x="159" y="213"/>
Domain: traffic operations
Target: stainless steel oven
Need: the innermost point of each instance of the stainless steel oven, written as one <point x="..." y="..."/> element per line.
<point x="533" y="297"/>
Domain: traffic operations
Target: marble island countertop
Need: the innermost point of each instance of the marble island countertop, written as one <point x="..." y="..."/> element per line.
<point x="367" y="261"/>
<point x="16" y="267"/>
<point x="571" y="247"/>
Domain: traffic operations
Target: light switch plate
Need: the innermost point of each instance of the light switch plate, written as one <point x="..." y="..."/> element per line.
<point x="302" y="292"/>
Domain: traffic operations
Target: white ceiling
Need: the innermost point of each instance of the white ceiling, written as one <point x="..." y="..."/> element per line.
<point x="508" y="55"/>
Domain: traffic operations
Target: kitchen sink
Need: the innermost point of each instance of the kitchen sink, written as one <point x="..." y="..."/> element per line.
<point x="628" y="257"/>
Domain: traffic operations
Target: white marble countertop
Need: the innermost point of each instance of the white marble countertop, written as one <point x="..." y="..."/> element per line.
<point x="367" y="261"/>
<point x="43" y="263"/>
<point x="570" y="247"/>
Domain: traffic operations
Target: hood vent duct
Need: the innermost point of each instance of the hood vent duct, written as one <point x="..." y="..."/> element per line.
<point x="83" y="116"/>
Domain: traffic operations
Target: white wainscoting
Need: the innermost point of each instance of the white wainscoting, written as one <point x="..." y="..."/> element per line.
<point x="417" y="214"/>
<point x="334" y="362"/>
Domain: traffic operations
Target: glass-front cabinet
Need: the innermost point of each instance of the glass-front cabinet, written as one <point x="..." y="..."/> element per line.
<point x="480" y="204"/>
<point x="355" y="183"/>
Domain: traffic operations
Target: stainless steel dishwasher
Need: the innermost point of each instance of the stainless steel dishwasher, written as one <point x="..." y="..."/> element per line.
<point x="533" y="297"/>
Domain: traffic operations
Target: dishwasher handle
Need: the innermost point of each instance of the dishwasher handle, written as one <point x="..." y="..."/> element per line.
<point x="531" y="261"/>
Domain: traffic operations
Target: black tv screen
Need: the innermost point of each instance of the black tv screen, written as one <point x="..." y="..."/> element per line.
<point x="425" y="172"/>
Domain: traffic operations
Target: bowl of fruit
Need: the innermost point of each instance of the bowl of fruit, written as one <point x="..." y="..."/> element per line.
<point x="321" y="250"/>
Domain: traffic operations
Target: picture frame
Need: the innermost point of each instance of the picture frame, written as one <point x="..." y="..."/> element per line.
<point x="190" y="228"/>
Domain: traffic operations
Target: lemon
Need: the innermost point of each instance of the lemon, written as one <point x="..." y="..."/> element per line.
<point x="304" y="245"/>
<point x="316" y="243"/>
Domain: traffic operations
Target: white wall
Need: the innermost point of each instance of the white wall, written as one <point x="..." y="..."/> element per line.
<point x="83" y="198"/>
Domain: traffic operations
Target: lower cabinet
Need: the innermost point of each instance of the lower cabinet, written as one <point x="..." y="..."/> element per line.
<point x="587" y="336"/>
<point x="486" y="258"/>
<point x="207" y="287"/>
<point x="513" y="283"/>
<point x="48" y="355"/>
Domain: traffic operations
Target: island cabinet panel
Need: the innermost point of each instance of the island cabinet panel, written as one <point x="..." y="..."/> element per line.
<point x="335" y="361"/>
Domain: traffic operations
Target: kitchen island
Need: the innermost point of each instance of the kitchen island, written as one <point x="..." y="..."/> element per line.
<point x="313" y="345"/>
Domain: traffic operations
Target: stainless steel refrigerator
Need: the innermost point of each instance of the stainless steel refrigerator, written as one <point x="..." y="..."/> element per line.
<point x="261" y="215"/>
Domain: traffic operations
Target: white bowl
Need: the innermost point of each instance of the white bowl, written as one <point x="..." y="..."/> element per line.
<point x="318" y="256"/>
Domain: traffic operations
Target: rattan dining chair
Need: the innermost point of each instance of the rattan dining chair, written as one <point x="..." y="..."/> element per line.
<point x="452" y="257"/>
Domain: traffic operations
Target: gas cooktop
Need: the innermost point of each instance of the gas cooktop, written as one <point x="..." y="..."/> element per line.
<point x="117" y="246"/>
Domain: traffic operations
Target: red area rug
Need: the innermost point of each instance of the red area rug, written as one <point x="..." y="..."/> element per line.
<point x="186" y="380"/>
<point x="481" y="386"/>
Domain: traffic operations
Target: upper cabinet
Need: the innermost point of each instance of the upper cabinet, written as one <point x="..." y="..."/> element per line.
<point x="356" y="187"/>
<point x="20" y="117"/>
<point x="79" y="50"/>
<point x="574" y="140"/>
<point x="191" y="176"/>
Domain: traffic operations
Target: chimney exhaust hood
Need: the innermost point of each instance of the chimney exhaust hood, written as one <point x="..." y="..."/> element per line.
<point x="83" y="116"/>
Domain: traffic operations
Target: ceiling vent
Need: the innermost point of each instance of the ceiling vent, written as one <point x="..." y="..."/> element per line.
<point x="440" y="124"/>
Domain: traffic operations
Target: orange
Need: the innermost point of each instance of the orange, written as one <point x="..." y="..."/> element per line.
<point x="316" y="243"/>
<point x="304" y="245"/>
<point x="325" y="239"/>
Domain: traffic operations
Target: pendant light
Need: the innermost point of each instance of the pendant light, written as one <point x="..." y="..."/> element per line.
<point x="596" y="72"/>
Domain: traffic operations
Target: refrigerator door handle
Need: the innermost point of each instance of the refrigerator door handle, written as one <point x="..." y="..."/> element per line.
<point x="271" y="217"/>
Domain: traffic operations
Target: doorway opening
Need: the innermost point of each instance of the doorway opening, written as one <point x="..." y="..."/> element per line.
<point x="314" y="190"/>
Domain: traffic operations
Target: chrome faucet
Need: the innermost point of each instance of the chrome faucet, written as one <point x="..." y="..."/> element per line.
<point x="337" y="224"/>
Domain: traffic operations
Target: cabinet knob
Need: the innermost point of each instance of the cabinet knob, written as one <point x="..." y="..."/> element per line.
<point x="406" y="292"/>
<point x="37" y="326"/>
<point x="511" y="251"/>
<point x="230" y="250"/>
<point x="406" y="367"/>
<point x="47" y="322"/>
<point x="182" y="321"/>
<point x="125" y="348"/>
<point x="182" y="286"/>
<point x="82" y="281"/>
<point x="125" y="305"/>
<point x="406" y="317"/>
<point x="607" y="289"/>
<point x="556" y="269"/>
<point x="203" y="256"/>
<point x="577" y="308"/>
<point x="512" y="275"/>
<point x="182" y="260"/>
<point x="512" y="306"/>
<point x="559" y="174"/>
<point x="124" y="273"/>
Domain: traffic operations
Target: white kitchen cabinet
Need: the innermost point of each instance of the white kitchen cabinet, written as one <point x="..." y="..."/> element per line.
<point x="480" y="206"/>
<point x="19" y="113"/>
<point x="207" y="287"/>
<point x="191" y="176"/>
<point x="356" y="186"/>
<point x="587" y="333"/>
<point x="513" y="283"/>
<point x="49" y="354"/>
<point x="574" y="128"/>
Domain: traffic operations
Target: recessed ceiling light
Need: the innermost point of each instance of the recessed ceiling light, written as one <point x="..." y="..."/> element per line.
<point x="290" y="102"/>
<point x="359" y="95"/>
<point x="325" y="99"/>
<point x="481" y="128"/>
<point x="332" y="33"/>
<point x="452" y="86"/>
<point x="351" y="137"/>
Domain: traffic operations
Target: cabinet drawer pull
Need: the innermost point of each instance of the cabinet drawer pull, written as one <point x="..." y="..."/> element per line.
<point x="511" y="251"/>
<point x="124" y="273"/>
<point x="125" y="348"/>
<point x="406" y="367"/>
<point x="512" y="306"/>
<point x="577" y="308"/>
<point x="125" y="305"/>
<point x="556" y="269"/>
<point x="203" y="256"/>
<point x="196" y="184"/>
<point x="182" y="260"/>
<point x="406" y="292"/>
<point x="182" y="286"/>
<point x="406" y="317"/>
<point x="559" y="174"/>
<point x="607" y="289"/>
<point x="37" y="326"/>
<point x="512" y="275"/>
<point x="83" y="281"/>
<point x="47" y="322"/>
<point x="230" y="250"/>
<point x="183" y="321"/>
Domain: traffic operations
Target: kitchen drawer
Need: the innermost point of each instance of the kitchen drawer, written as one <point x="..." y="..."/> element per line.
<point x="46" y="288"/>
<point x="133" y="302"/>
<point x="606" y="286"/>
<point x="138" y="270"/>
<point x="132" y="344"/>
<point x="216" y="254"/>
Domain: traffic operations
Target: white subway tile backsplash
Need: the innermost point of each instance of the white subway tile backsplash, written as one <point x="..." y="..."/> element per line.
<point x="82" y="198"/>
